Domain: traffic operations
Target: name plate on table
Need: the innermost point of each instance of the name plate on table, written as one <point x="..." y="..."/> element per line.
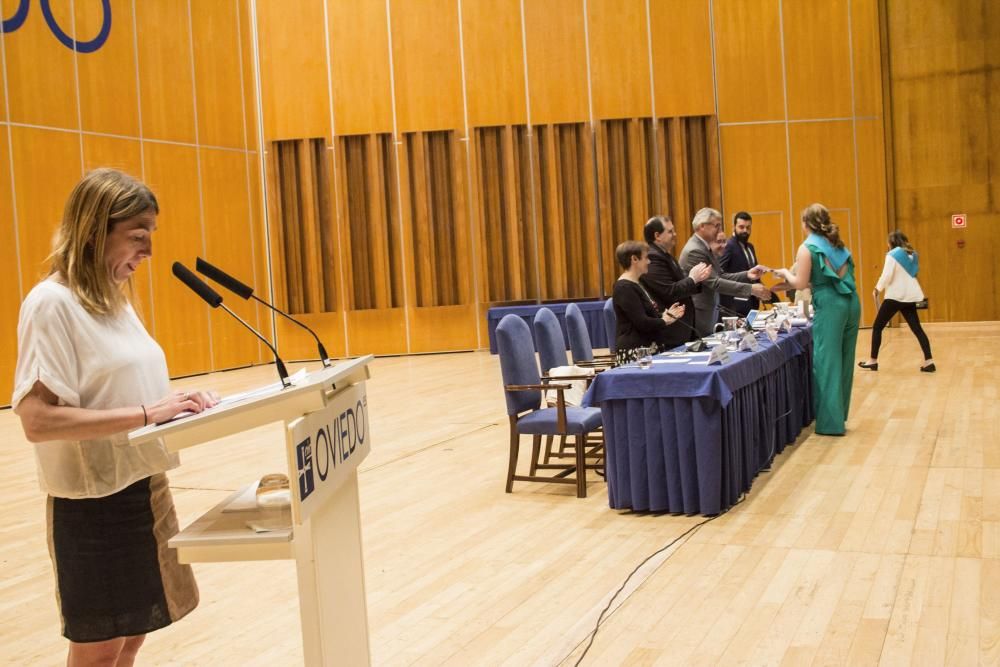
<point x="772" y="333"/>
<point x="325" y="447"/>
<point x="719" y="355"/>
<point x="749" y="343"/>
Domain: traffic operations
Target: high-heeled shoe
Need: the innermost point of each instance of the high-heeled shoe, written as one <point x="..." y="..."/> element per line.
<point x="871" y="367"/>
<point x="929" y="368"/>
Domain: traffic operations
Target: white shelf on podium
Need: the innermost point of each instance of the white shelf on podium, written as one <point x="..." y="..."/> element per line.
<point x="218" y="536"/>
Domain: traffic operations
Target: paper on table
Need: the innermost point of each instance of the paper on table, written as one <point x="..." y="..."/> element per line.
<point x="672" y="360"/>
<point x="294" y="378"/>
<point x="270" y="525"/>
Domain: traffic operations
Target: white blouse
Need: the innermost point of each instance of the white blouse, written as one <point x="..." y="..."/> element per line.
<point x="897" y="284"/>
<point x="89" y="362"/>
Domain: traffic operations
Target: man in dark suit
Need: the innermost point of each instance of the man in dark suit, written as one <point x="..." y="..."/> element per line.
<point x="665" y="282"/>
<point x="706" y="225"/>
<point x="739" y="255"/>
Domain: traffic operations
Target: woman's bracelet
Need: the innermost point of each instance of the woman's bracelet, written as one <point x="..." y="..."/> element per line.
<point x="145" y="417"/>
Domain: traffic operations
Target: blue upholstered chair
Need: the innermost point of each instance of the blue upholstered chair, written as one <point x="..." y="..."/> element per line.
<point x="579" y="340"/>
<point x="550" y="341"/>
<point x="611" y="325"/>
<point x="523" y="393"/>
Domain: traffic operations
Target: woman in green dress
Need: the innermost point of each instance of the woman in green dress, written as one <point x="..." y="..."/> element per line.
<point x="825" y="265"/>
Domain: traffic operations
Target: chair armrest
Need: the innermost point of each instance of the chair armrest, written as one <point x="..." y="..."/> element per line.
<point x="554" y="378"/>
<point x="535" y="387"/>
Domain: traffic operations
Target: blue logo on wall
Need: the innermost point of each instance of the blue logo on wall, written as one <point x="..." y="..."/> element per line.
<point x="89" y="46"/>
<point x="304" y="463"/>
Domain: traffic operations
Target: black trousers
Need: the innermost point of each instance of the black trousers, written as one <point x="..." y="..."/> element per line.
<point x="889" y="308"/>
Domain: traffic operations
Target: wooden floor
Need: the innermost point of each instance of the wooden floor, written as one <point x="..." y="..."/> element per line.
<point x="879" y="547"/>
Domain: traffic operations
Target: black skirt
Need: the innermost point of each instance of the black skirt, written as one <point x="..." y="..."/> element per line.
<point x="115" y="575"/>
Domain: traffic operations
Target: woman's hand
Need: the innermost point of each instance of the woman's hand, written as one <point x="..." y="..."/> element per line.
<point x="673" y="313"/>
<point x="177" y="402"/>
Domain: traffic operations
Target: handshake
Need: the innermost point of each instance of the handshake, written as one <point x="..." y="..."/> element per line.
<point x="759" y="290"/>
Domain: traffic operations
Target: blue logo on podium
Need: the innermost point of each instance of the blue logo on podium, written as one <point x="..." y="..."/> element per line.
<point x="304" y="463"/>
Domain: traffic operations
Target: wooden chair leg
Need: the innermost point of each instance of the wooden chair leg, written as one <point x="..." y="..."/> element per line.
<point x="581" y="465"/>
<point x="512" y="465"/>
<point x="562" y="444"/>
<point x="548" y="448"/>
<point x="536" y="446"/>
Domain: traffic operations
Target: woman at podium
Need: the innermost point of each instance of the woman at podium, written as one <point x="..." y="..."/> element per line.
<point x="87" y="374"/>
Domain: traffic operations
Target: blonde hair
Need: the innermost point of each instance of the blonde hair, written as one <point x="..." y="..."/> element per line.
<point x="817" y="218"/>
<point x="101" y="199"/>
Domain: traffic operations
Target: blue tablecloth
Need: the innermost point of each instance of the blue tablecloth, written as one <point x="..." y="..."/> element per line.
<point x="592" y="313"/>
<point x="685" y="438"/>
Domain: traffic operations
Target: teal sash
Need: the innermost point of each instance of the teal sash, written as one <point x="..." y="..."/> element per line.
<point x="837" y="256"/>
<point x="910" y="262"/>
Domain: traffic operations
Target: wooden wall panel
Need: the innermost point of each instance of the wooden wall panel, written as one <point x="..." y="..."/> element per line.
<point x="46" y="167"/>
<point x="217" y="74"/>
<point x="441" y="307"/>
<point x="181" y="324"/>
<point x="866" y="44"/>
<point x="494" y="62"/>
<point x="754" y="177"/>
<point x="166" y="90"/>
<point x="817" y="58"/>
<point x="683" y="80"/>
<point x="503" y="214"/>
<point x="688" y="171"/>
<point x="943" y="78"/>
<point x="566" y="211"/>
<point x="3" y="72"/>
<point x="557" y="61"/>
<point x="10" y="292"/>
<point x="261" y="258"/>
<point x="426" y="57"/>
<point x="369" y="218"/>
<point x="109" y="97"/>
<point x="40" y="95"/>
<point x="626" y="186"/>
<point x="822" y="164"/>
<point x="293" y="73"/>
<point x="359" y="67"/>
<point x="228" y="245"/>
<point x="124" y="155"/>
<point x="619" y="58"/>
<point x="248" y="70"/>
<point x="748" y="60"/>
<point x="872" y="205"/>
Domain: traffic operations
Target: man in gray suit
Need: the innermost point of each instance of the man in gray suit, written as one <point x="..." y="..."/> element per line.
<point x="706" y="224"/>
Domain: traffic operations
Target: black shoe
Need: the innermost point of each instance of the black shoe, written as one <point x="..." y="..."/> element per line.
<point x="929" y="368"/>
<point x="871" y="367"/>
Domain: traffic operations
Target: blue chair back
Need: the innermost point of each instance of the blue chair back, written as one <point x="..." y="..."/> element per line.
<point x="579" y="337"/>
<point x="517" y="363"/>
<point x="611" y="326"/>
<point x="550" y="341"/>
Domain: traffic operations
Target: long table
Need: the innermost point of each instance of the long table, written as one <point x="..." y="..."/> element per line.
<point x="687" y="438"/>
<point x="591" y="310"/>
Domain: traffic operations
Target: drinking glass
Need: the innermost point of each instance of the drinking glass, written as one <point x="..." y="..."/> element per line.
<point x="644" y="357"/>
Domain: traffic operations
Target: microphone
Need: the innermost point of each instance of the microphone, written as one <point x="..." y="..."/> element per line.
<point x="697" y="345"/>
<point x="244" y="291"/>
<point x="213" y="299"/>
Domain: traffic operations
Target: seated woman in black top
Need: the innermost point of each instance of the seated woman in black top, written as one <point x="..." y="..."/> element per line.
<point x="640" y="322"/>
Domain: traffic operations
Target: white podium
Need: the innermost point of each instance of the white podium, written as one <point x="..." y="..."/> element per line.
<point x="326" y="437"/>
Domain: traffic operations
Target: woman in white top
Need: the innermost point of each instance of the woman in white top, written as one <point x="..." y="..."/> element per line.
<point x="902" y="292"/>
<point x="87" y="374"/>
